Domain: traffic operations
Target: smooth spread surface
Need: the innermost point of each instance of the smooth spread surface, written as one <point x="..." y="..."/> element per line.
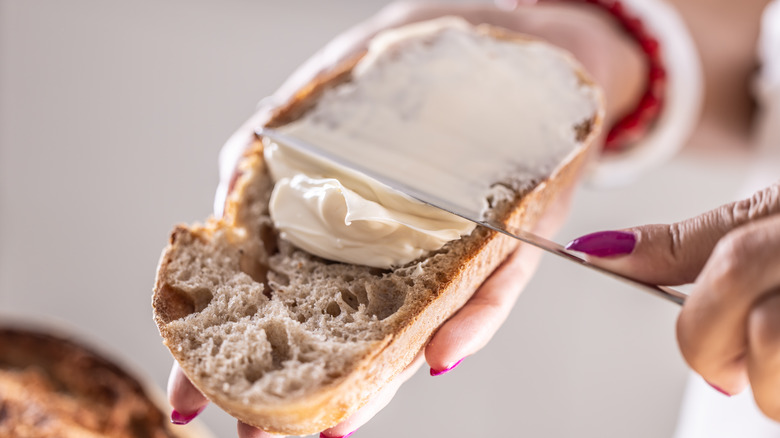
<point x="440" y="106"/>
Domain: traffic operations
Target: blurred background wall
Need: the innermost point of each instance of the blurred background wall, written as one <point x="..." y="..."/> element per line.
<point x="111" y="117"/>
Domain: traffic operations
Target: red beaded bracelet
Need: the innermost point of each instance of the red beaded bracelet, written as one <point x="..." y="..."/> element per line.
<point x="630" y="127"/>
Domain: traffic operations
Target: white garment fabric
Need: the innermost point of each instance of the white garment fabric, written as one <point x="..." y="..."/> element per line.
<point x="705" y="413"/>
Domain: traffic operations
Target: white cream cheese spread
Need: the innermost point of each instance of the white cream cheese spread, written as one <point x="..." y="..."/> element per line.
<point x="442" y="105"/>
<point x="339" y="214"/>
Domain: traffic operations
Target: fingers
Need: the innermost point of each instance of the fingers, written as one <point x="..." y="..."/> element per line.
<point x="186" y="400"/>
<point x="376" y="404"/>
<point x="478" y="320"/>
<point x="763" y="359"/>
<point x="712" y="329"/>
<point x="676" y="253"/>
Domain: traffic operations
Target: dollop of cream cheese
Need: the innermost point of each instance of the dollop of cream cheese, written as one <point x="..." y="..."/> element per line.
<point x="437" y="103"/>
<point x="341" y="215"/>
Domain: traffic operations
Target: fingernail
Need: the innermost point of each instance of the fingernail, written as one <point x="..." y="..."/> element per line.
<point x="322" y="435"/>
<point x="604" y="243"/>
<point x="717" y="388"/>
<point x="446" y="370"/>
<point x="182" y="419"/>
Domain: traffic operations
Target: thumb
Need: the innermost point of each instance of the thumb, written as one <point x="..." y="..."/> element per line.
<point x="675" y="253"/>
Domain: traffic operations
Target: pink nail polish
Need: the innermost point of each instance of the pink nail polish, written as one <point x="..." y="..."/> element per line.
<point x="717" y="388"/>
<point x="604" y="243"/>
<point x="446" y="370"/>
<point x="322" y="435"/>
<point x="182" y="419"/>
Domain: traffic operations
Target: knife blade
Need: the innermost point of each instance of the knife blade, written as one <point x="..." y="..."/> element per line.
<point x="452" y="206"/>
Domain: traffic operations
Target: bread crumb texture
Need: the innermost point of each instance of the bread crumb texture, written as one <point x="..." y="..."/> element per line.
<point x="261" y="320"/>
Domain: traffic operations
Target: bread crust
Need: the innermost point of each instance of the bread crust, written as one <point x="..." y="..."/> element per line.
<point x="388" y="357"/>
<point x="55" y="387"/>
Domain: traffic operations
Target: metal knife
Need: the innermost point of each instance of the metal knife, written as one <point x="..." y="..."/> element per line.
<point x="467" y="213"/>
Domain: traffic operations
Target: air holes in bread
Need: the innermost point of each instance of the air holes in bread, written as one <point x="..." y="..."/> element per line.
<point x="333" y="309"/>
<point x="201" y="298"/>
<point x="251" y="266"/>
<point x="350" y="299"/>
<point x="175" y="303"/>
<point x="250" y="310"/>
<point x="279" y="278"/>
<point x="280" y="346"/>
<point x="253" y="373"/>
<point x="377" y="272"/>
<point x="216" y="343"/>
<point x="384" y="299"/>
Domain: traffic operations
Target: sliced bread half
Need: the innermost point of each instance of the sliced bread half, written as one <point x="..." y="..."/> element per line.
<point x="293" y="343"/>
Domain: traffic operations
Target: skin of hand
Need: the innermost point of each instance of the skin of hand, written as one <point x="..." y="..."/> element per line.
<point x="614" y="62"/>
<point x="729" y="328"/>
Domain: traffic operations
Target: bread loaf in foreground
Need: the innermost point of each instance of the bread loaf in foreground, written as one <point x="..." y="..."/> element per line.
<point x="292" y="343"/>
<point x="55" y="387"/>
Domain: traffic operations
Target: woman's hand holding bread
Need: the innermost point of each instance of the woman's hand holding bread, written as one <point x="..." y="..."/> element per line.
<point x="618" y="70"/>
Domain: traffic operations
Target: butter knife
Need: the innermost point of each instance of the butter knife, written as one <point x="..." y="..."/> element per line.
<point x="452" y="206"/>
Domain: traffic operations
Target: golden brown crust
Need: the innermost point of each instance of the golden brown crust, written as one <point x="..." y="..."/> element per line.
<point x="53" y="387"/>
<point x="390" y="356"/>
